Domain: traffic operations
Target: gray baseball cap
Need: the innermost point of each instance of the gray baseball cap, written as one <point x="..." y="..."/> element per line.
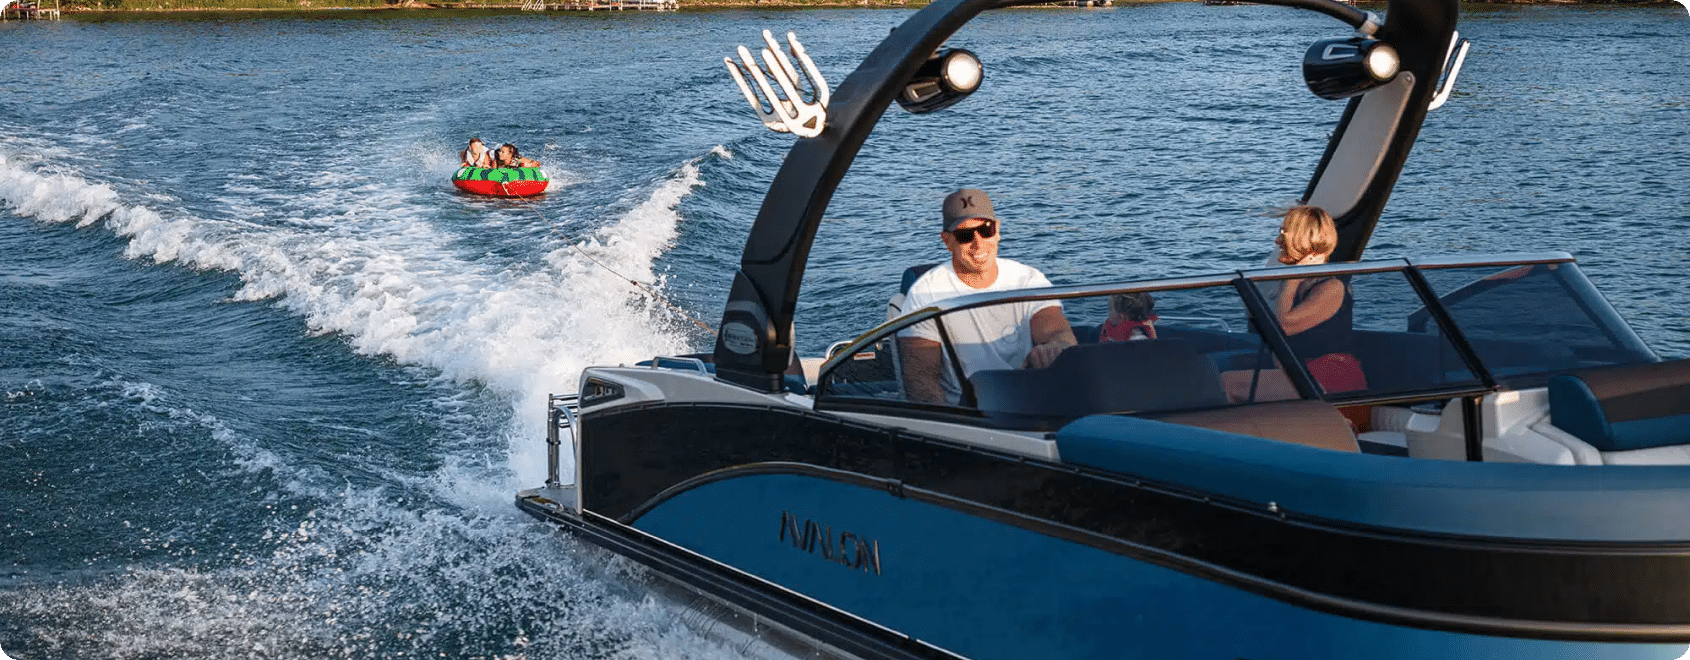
<point x="964" y="204"/>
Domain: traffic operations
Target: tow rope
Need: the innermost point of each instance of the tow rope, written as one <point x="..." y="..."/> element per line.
<point x="655" y="295"/>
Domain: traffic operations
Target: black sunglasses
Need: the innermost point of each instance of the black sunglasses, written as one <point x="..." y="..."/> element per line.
<point x="987" y="230"/>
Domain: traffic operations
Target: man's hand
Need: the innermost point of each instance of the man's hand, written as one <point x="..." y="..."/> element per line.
<point x="1044" y="354"/>
<point x="1051" y="336"/>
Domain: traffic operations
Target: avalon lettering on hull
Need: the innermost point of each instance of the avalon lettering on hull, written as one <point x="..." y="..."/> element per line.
<point x="847" y="549"/>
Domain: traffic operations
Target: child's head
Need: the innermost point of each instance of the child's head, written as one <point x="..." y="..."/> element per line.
<point x="1132" y="306"/>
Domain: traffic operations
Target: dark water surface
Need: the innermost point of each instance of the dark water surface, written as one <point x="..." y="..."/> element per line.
<point x="267" y="383"/>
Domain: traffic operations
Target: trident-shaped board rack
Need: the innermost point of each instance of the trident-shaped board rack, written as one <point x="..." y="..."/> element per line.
<point x="786" y="112"/>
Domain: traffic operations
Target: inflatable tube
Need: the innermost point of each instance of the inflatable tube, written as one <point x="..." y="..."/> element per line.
<point x="501" y="182"/>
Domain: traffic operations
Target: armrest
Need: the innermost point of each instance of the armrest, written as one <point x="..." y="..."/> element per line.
<point x="1583" y="453"/>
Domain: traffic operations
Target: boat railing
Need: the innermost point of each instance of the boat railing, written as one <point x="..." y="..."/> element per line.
<point x="834" y="348"/>
<point x="674" y="362"/>
<point x="1265" y="274"/>
<point x="1220" y="322"/>
<point x="561" y="414"/>
<point x="1418" y="330"/>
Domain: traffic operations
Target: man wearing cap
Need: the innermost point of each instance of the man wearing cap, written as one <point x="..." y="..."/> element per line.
<point x="1004" y="336"/>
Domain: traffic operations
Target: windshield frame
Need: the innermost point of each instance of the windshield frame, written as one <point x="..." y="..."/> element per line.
<point x="1244" y="284"/>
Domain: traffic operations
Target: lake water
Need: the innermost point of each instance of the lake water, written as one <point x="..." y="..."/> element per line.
<point x="268" y="384"/>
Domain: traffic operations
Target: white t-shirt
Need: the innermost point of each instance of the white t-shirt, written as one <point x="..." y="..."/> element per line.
<point x="995" y="337"/>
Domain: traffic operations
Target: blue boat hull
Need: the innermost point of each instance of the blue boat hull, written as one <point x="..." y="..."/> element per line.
<point x="983" y="589"/>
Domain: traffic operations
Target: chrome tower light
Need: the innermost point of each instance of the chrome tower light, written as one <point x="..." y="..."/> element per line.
<point x="947" y="77"/>
<point x="1344" y="67"/>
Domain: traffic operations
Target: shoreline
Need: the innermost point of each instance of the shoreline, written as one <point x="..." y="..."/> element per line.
<point x="308" y="6"/>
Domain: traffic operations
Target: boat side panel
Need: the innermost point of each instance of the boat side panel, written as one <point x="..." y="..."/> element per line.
<point x="989" y="590"/>
<point x="637" y="458"/>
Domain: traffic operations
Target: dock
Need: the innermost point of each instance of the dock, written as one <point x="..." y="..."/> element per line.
<point x="600" y="5"/>
<point x="28" y="10"/>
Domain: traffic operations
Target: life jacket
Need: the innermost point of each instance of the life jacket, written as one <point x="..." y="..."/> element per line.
<point x="481" y="160"/>
<point x="1128" y="330"/>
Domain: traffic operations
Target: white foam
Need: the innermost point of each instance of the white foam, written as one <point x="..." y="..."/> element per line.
<point x="53" y="197"/>
<point x="361" y="576"/>
<point x="361" y="264"/>
<point x="248" y="456"/>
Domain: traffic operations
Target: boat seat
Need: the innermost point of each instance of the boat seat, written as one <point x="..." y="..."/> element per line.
<point x="1625" y="408"/>
<point x="1495" y="500"/>
<point x="1130" y="376"/>
<point x="912" y="274"/>
<point x="1311" y="423"/>
<point x="895" y="306"/>
<point x="1086" y="333"/>
<point x="1148" y="447"/>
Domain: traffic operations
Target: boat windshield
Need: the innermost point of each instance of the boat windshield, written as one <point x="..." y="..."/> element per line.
<point x="1527" y="322"/>
<point x="1195" y="344"/>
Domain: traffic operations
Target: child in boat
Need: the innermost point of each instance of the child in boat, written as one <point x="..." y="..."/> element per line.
<point x="1131" y="316"/>
<point x="476" y="155"/>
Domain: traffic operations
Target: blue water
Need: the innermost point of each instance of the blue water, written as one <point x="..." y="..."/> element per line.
<point x="267" y="383"/>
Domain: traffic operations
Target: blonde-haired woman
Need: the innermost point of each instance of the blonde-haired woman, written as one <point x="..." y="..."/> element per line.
<point x="1307" y="237"/>
<point x="1316" y="314"/>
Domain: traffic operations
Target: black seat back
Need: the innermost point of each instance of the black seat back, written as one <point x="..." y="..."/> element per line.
<point x="1116" y="377"/>
<point x="912" y="274"/>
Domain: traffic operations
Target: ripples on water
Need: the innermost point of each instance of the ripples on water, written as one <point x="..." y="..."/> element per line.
<point x="269" y="384"/>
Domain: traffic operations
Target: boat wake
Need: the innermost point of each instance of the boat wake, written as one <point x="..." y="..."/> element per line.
<point x="363" y="579"/>
<point x="413" y="564"/>
<point x="395" y="286"/>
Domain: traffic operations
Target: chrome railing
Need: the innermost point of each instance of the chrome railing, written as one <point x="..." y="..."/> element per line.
<point x="561" y="410"/>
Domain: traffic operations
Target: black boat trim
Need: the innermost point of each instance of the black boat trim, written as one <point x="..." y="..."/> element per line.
<point x="1473" y="584"/>
<point x="805" y="616"/>
<point x="892" y="486"/>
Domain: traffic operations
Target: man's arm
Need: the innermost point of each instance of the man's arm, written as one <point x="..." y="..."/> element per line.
<point x="1051" y="336"/>
<point x="921" y="364"/>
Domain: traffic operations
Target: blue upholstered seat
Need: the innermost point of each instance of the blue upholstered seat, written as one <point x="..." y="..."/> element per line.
<point x="1522" y="500"/>
<point x="1624" y="408"/>
<point x="912" y="274"/>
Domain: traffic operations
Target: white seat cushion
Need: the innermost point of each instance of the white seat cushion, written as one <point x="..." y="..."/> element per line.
<point x="1670" y="455"/>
